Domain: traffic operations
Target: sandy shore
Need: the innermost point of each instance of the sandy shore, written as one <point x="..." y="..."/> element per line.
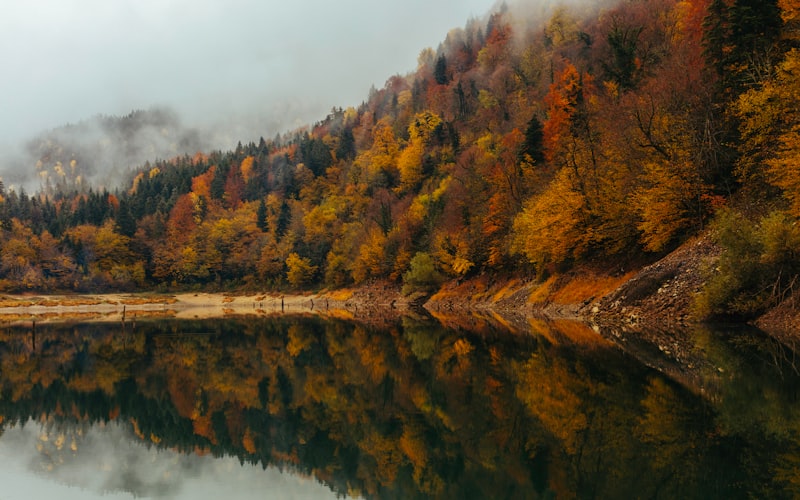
<point x="119" y="307"/>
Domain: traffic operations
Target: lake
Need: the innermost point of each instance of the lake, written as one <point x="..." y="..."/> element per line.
<point x="306" y="407"/>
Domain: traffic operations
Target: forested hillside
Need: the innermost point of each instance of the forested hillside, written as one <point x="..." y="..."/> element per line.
<point x="522" y="143"/>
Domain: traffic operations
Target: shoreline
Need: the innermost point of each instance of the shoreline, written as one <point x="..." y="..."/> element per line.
<point x="667" y="347"/>
<point x="119" y="307"/>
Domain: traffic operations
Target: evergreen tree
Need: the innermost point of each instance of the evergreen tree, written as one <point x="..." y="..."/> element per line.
<point x="125" y="223"/>
<point x="346" y="150"/>
<point x="440" y="70"/>
<point x="261" y="216"/>
<point x="534" y="141"/>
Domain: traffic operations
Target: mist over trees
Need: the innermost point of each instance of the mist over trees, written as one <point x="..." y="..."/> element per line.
<point x="523" y="143"/>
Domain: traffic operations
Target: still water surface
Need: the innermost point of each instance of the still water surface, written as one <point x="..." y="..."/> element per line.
<point x="301" y="407"/>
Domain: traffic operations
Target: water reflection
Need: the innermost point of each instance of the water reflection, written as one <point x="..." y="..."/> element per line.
<point x="407" y="410"/>
<point x="92" y="461"/>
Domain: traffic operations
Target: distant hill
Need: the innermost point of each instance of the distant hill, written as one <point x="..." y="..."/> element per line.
<point x="103" y="149"/>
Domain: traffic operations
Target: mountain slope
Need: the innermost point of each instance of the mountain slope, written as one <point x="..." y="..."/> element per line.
<point x="523" y="145"/>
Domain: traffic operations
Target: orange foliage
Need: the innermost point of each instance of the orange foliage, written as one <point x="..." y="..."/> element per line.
<point x="201" y="185"/>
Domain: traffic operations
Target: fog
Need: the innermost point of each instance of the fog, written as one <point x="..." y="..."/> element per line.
<point x="233" y="70"/>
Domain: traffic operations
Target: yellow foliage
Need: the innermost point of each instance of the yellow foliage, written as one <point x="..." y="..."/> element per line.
<point x="423" y="126"/>
<point x="452" y="250"/>
<point x="551" y="229"/>
<point x="136" y="181"/>
<point x="371" y="260"/>
<point x="246" y="168"/>
<point x="299" y="270"/>
<point x="665" y="205"/>
<point x="410" y="165"/>
<point x="381" y="159"/>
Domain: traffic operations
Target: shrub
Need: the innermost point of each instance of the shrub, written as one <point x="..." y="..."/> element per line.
<point x="757" y="268"/>
<point x="422" y="275"/>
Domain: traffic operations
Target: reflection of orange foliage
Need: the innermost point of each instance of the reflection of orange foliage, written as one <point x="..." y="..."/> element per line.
<point x="462" y="347"/>
<point x="280" y="456"/>
<point x="371" y="353"/>
<point x="235" y="421"/>
<point x="579" y="333"/>
<point x="340" y="314"/>
<point x="541" y="327"/>
<point x="386" y="455"/>
<point x="181" y="387"/>
<point x="136" y="429"/>
<point x="202" y="427"/>
<point x="247" y="442"/>
<point x="114" y="413"/>
<point x="83" y="383"/>
<point x="414" y="448"/>
<point x="551" y="393"/>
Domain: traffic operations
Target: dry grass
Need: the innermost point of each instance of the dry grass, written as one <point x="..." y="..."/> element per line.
<point x="506" y="291"/>
<point x="138" y="301"/>
<point x="82" y="316"/>
<point x="341" y="295"/>
<point x="541" y="294"/>
<point x="588" y="287"/>
<point x="7" y="302"/>
<point x="475" y="288"/>
<point x="50" y="302"/>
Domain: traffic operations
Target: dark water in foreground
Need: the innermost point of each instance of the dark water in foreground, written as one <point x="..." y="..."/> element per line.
<point x="300" y="407"/>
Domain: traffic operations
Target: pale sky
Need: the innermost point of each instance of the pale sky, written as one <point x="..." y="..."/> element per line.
<point x="265" y="63"/>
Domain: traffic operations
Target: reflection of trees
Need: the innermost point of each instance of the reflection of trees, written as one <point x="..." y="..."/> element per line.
<point x="409" y="411"/>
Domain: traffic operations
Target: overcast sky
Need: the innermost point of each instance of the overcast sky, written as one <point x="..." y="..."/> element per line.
<point x="274" y="63"/>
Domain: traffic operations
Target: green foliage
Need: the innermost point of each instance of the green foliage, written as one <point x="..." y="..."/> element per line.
<point x="758" y="266"/>
<point x="422" y="275"/>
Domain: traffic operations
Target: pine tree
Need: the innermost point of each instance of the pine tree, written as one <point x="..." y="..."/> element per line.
<point x="261" y="216"/>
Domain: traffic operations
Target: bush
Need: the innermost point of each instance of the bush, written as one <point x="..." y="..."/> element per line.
<point x="422" y="276"/>
<point x="757" y="268"/>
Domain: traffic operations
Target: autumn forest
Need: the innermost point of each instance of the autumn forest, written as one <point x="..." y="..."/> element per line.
<point x="522" y="144"/>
